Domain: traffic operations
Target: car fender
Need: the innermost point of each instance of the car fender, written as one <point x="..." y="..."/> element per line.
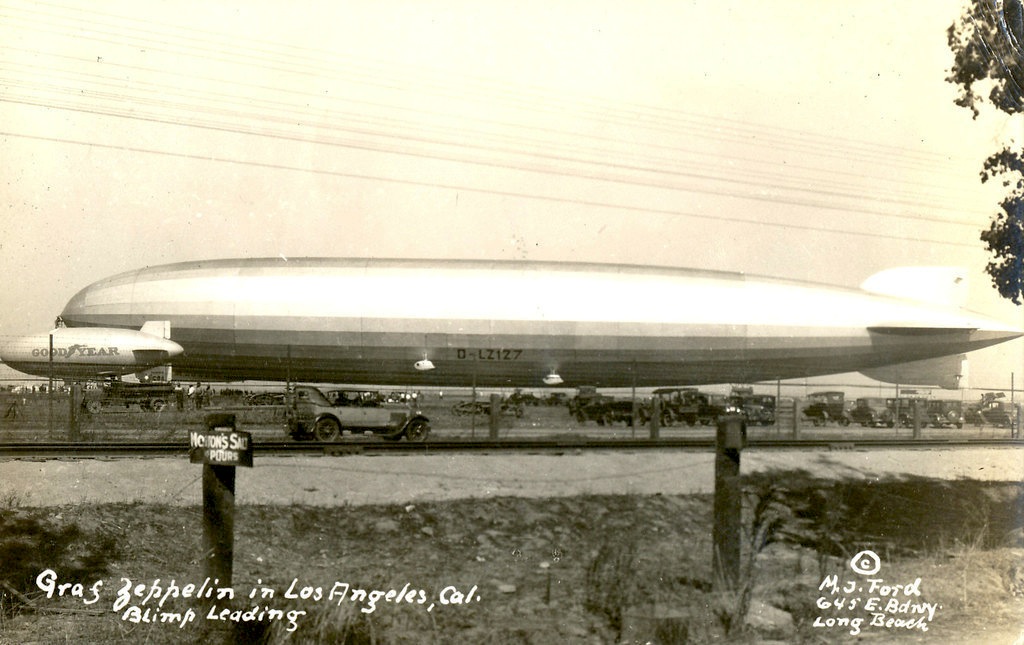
<point x="411" y="420"/>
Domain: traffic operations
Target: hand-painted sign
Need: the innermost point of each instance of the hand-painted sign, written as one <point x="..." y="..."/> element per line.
<point x="220" y="447"/>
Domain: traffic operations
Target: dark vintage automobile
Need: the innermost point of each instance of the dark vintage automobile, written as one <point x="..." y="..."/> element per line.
<point x="311" y="415"/>
<point x="715" y="406"/>
<point x="678" y="405"/>
<point x="999" y="413"/>
<point x="508" y="407"/>
<point x="148" y="396"/>
<point x="827" y="407"/>
<point x="265" y="398"/>
<point x="880" y="411"/>
<point x="590" y="405"/>
<point x="945" y="414"/>
<point x="872" y="412"/>
<point x="759" y="409"/>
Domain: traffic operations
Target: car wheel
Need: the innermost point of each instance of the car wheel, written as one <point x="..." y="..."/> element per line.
<point x="417" y="431"/>
<point x="92" y="406"/>
<point x="157" y="404"/>
<point x="325" y="430"/>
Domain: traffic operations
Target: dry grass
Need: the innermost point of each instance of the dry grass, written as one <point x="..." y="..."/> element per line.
<point x="577" y="570"/>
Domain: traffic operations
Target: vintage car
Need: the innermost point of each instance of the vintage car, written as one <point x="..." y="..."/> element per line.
<point x="507" y="407"/>
<point x="759" y="409"/>
<point x="605" y="410"/>
<point x="1002" y="414"/>
<point x="678" y="405"/>
<point x="945" y="413"/>
<point x="265" y="398"/>
<point x="827" y="407"/>
<point x="872" y="411"/>
<point x="311" y="415"/>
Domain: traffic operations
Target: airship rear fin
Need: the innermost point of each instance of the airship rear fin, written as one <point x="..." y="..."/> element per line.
<point x="947" y="372"/>
<point x="161" y="328"/>
<point x="936" y="285"/>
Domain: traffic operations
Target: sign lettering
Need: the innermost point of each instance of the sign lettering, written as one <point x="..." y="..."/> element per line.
<point x="220" y="448"/>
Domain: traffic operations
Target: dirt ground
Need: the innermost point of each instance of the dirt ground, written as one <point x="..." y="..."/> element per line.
<point x="500" y="548"/>
<point x="589" y="568"/>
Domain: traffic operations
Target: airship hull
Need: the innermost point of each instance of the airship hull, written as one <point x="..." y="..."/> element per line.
<point x="515" y="323"/>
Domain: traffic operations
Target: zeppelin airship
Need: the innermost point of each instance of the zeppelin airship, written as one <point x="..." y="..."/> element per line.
<point x="520" y="323"/>
<point x="91" y="352"/>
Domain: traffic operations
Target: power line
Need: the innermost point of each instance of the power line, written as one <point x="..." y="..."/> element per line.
<point x="825" y="145"/>
<point x="668" y="167"/>
<point x="503" y="193"/>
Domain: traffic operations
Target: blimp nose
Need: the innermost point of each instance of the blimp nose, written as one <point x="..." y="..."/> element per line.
<point x="9" y="350"/>
<point x="158" y="352"/>
<point x="172" y="348"/>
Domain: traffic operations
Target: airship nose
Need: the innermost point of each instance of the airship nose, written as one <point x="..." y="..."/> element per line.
<point x="172" y="348"/>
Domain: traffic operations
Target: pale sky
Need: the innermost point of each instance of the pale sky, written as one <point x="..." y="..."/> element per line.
<point x="794" y="139"/>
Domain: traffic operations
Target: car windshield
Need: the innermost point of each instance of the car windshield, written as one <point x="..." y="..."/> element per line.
<point x="312" y="395"/>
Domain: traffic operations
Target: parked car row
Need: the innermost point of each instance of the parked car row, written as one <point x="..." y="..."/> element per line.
<point x="831" y="407"/>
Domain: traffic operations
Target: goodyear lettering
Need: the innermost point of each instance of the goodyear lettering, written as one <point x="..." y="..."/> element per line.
<point x="73" y="350"/>
<point x="491" y="354"/>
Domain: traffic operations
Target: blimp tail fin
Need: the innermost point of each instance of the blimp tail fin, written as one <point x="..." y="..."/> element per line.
<point x="947" y="372"/>
<point x="936" y="285"/>
<point x="160" y="373"/>
<point x="161" y="328"/>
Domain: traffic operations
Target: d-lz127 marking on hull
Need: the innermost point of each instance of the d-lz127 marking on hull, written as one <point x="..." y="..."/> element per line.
<point x="490" y="354"/>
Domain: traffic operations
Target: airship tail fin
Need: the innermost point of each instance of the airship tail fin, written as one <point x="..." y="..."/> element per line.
<point x="935" y="285"/>
<point x="159" y="373"/>
<point x="161" y="328"/>
<point x="947" y="372"/>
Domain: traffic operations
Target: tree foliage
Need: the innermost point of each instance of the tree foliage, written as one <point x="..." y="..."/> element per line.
<point x="988" y="53"/>
<point x="987" y="42"/>
<point x="1004" y="238"/>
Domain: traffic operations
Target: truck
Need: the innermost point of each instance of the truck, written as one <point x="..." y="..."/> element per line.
<point x="588" y="404"/>
<point x="311" y="415"/>
<point x="678" y="405"/>
<point x="148" y="396"/>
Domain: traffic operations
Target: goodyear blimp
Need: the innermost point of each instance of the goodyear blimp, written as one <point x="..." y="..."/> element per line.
<point x="524" y="323"/>
<point x="91" y="352"/>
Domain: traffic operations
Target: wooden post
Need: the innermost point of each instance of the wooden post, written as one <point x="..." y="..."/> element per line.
<point x="492" y="424"/>
<point x="655" y="416"/>
<point x="74" y="406"/>
<point x="219" y="522"/>
<point x="219" y="507"/>
<point x="633" y="408"/>
<point x="728" y="505"/>
<point x="49" y="394"/>
<point x="796" y="419"/>
<point x="917" y="418"/>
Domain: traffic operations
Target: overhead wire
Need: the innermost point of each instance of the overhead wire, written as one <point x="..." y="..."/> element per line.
<point x="559" y="168"/>
<point x="502" y="193"/>
<point x="232" y="55"/>
<point x="247" y="59"/>
<point x="740" y="178"/>
<point x="661" y="165"/>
